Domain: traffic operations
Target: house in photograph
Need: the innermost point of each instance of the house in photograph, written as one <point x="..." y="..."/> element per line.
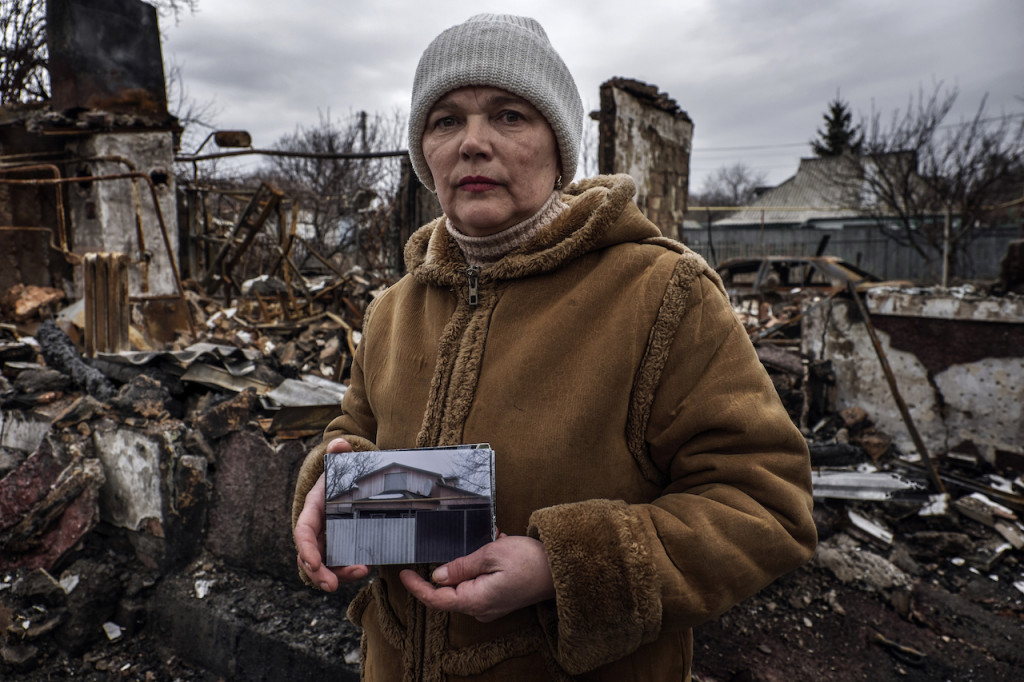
<point x="402" y="514"/>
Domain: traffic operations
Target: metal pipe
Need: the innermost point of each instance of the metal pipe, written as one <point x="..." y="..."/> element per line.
<point x="59" y="198"/>
<point x="72" y="258"/>
<point x="190" y="158"/>
<point x="156" y="208"/>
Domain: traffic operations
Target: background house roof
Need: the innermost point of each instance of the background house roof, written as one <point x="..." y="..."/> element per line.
<point x="821" y="189"/>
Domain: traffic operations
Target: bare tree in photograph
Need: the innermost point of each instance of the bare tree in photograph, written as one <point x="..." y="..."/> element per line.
<point x="473" y="470"/>
<point x="345" y="468"/>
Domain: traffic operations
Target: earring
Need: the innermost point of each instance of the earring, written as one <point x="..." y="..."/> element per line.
<point x="558" y="182"/>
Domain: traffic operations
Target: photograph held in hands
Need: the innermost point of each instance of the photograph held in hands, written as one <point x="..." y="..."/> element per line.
<point x="421" y="505"/>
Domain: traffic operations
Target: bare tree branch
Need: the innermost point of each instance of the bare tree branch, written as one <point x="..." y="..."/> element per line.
<point x="734" y="185"/>
<point x="345" y="201"/>
<point x="23" y="55"/>
<point x="916" y="173"/>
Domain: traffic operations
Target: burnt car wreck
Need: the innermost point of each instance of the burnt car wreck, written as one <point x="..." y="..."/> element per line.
<point x="171" y="348"/>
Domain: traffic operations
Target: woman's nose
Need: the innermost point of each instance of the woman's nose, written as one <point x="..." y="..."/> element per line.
<point x="477" y="138"/>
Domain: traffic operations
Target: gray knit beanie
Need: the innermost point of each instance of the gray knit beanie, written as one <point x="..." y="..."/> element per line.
<point x="503" y="51"/>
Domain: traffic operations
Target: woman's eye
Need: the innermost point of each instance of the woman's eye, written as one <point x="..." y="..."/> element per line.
<point x="444" y="122"/>
<point x="511" y="116"/>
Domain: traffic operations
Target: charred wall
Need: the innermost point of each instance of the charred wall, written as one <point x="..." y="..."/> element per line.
<point x="644" y="133"/>
<point x="958" y="361"/>
<point x="105" y="55"/>
<point x="91" y="170"/>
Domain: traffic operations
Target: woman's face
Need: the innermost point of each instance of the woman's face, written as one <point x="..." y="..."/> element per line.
<point x="493" y="157"/>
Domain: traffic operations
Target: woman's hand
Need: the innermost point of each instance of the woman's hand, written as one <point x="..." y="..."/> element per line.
<point x="310" y="536"/>
<point x="497" y="579"/>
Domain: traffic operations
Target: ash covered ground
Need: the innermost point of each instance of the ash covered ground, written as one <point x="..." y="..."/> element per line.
<point x="919" y="610"/>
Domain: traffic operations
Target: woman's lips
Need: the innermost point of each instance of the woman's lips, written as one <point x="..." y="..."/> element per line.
<point x="477" y="183"/>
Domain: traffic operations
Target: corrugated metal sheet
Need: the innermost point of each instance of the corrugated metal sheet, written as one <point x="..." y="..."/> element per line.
<point x="370" y="541"/>
<point x="430" y="536"/>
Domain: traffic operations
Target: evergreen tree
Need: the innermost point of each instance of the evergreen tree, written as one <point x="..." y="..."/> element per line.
<point x="840" y="135"/>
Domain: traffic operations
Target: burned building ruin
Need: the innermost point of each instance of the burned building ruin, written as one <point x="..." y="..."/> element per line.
<point x="170" y="349"/>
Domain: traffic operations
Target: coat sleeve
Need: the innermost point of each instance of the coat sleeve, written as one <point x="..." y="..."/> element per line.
<point x="356" y="424"/>
<point x="734" y="512"/>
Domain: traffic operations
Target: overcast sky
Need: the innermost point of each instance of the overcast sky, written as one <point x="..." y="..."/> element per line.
<point x="754" y="75"/>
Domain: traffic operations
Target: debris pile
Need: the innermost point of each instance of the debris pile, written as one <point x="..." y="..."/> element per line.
<point x="144" y="498"/>
<point x="121" y="471"/>
<point x="919" y="572"/>
<point x="905" y="585"/>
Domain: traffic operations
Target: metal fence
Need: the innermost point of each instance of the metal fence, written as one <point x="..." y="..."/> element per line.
<point x="866" y="246"/>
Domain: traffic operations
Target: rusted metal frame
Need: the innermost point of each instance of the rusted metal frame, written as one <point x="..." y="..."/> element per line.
<point x="192" y="200"/>
<point x="294" y="325"/>
<point x="32" y="157"/>
<point x="207" y="221"/>
<point x="156" y="208"/>
<point x="68" y="256"/>
<point x="349" y="331"/>
<point x="285" y="251"/>
<point x="253" y="227"/>
<point x="933" y="474"/>
<point x="214" y="265"/>
<point x="286" y="240"/>
<point x="58" y="197"/>
<point x="320" y="258"/>
<point x="263" y="307"/>
<point x="265" y="205"/>
<point x="348" y="304"/>
<point x="299" y="279"/>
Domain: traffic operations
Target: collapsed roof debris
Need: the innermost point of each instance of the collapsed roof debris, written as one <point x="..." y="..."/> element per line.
<point x="225" y="420"/>
<point x="925" y="573"/>
<point x="159" y="451"/>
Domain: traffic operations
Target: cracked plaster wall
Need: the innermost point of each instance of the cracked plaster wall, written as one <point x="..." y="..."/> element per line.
<point x="652" y="145"/>
<point x="962" y="379"/>
<point x="104" y="213"/>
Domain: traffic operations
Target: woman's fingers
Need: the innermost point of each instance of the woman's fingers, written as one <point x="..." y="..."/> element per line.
<point x="501" y="577"/>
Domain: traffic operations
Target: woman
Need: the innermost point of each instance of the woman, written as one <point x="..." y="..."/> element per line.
<point x="647" y="475"/>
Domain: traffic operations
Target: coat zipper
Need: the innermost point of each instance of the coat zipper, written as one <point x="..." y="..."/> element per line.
<point x="473" y="285"/>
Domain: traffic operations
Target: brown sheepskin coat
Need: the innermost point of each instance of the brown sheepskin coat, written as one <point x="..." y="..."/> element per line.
<point x="636" y="435"/>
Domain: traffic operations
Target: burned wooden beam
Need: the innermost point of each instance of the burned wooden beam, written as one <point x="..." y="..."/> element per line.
<point x="79" y="476"/>
<point x="24" y="487"/>
<point x="46" y="506"/>
<point x="262" y="204"/>
<point x="61" y="354"/>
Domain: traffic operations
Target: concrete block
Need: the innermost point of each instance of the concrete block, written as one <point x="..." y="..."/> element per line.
<point x="155" y="489"/>
<point x="250" y="513"/>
